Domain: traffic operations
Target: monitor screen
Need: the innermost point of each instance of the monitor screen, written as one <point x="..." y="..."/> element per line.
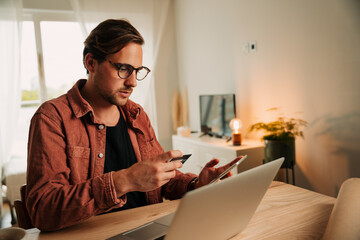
<point x="216" y="112"/>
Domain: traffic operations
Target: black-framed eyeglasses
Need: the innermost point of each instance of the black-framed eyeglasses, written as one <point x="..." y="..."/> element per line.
<point x="125" y="70"/>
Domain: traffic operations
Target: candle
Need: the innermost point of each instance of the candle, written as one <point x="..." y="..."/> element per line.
<point x="235" y="125"/>
<point x="236" y="138"/>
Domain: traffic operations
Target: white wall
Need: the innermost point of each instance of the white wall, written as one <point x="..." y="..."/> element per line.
<point x="307" y="61"/>
<point x="206" y="58"/>
<point x="166" y="73"/>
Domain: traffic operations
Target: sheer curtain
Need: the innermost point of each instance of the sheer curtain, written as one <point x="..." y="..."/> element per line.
<point x="10" y="35"/>
<point x="141" y="14"/>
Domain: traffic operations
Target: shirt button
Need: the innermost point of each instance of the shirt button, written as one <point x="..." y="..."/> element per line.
<point x="101" y="155"/>
<point x="101" y="126"/>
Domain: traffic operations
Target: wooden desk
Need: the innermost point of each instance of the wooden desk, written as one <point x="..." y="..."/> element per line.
<point x="286" y="212"/>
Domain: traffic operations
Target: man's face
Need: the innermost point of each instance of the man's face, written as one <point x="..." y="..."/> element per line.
<point x="108" y="84"/>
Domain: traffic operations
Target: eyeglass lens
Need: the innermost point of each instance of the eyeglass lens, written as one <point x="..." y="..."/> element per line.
<point x="126" y="70"/>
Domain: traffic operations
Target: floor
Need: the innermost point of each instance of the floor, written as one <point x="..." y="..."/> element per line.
<point x="5" y="218"/>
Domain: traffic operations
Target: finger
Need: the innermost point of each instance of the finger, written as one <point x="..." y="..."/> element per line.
<point x="166" y="176"/>
<point x="175" y="153"/>
<point x="212" y="163"/>
<point x="171" y="166"/>
<point x="235" y="160"/>
<point x="231" y="163"/>
<point x="223" y="168"/>
<point x="229" y="174"/>
<point x="164" y="157"/>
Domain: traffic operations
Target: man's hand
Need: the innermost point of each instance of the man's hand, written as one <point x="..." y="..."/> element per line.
<point x="147" y="175"/>
<point x="209" y="172"/>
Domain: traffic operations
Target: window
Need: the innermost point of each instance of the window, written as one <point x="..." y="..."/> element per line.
<point x="56" y="46"/>
<point x="29" y="66"/>
<point x="62" y="46"/>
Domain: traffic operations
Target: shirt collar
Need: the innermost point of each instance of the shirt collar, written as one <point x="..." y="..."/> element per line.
<point x="78" y="104"/>
<point x="81" y="107"/>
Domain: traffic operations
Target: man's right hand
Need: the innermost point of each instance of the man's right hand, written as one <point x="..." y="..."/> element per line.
<point x="147" y="175"/>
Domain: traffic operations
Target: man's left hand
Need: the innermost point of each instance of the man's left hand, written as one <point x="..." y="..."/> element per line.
<point x="209" y="172"/>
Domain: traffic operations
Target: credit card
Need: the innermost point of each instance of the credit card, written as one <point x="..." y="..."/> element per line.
<point x="182" y="159"/>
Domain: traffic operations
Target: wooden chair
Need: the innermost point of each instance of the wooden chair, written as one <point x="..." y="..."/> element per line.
<point x="22" y="214"/>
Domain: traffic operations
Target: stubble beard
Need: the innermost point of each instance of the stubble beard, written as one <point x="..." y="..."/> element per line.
<point x="111" y="97"/>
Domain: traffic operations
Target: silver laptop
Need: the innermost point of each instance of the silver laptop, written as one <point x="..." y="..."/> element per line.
<point x="216" y="211"/>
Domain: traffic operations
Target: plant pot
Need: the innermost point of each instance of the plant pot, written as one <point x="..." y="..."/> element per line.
<point x="275" y="149"/>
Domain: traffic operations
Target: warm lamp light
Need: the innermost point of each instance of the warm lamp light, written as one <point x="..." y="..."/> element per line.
<point x="235" y="125"/>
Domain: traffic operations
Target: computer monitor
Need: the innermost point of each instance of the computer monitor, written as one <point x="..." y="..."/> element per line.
<point x="216" y="112"/>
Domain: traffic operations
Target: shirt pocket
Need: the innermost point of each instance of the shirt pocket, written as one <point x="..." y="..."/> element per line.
<point x="79" y="163"/>
<point x="149" y="148"/>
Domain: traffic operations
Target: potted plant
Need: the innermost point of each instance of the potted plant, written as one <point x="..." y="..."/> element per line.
<point x="280" y="137"/>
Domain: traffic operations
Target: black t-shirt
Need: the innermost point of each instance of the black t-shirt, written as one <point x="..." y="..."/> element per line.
<point x="119" y="154"/>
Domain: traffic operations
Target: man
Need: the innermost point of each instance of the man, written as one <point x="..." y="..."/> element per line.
<point x="93" y="150"/>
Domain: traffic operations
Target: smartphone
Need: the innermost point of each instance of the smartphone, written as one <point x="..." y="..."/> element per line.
<point x="229" y="169"/>
<point x="182" y="159"/>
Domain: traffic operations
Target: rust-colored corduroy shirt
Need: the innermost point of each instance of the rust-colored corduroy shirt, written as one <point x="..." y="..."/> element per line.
<point x="66" y="183"/>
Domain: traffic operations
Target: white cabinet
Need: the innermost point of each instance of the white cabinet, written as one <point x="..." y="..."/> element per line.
<point x="205" y="148"/>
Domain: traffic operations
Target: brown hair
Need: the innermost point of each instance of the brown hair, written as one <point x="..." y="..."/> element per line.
<point x="109" y="37"/>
